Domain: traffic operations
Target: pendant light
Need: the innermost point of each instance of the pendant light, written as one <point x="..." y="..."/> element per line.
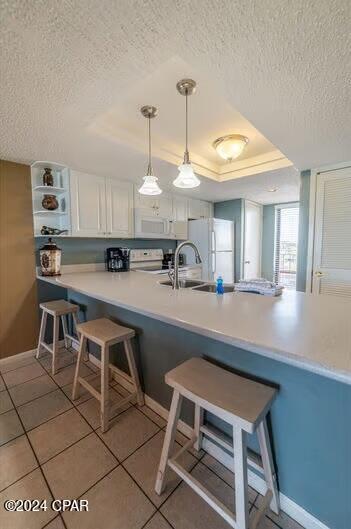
<point x="150" y="185"/>
<point x="186" y="178"/>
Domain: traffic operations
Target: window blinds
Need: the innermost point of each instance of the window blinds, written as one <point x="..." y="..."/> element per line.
<point x="285" y="251"/>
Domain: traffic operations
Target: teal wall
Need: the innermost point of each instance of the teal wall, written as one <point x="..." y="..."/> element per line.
<point x="232" y="210"/>
<point x="303" y="231"/>
<point x="81" y="250"/>
<point x="309" y="421"/>
<point x="268" y="233"/>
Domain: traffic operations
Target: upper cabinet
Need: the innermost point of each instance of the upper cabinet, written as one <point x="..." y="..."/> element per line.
<point x="158" y="206"/>
<point x="88" y="205"/>
<point x="199" y="209"/>
<point x="180" y="208"/>
<point x="119" y="196"/>
<point x="100" y="207"/>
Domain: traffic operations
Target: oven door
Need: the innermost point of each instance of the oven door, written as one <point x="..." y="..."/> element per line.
<point x="151" y="227"/>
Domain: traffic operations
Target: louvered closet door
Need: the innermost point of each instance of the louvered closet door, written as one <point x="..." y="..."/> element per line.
<point x="332" y="255"/>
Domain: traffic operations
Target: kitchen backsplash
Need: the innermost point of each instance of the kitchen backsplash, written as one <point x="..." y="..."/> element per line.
<point x="87" y="250"/>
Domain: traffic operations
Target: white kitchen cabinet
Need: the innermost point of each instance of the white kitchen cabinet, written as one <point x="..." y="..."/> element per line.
<point x="88" y="205"/>
<point x="199" y="209"/>
<point x="119" y="210"/>
<point x="158" y="206"/>
<point x="179" y="226"/>
<point x="180" y="208"/>
<point x="100" y="207"/>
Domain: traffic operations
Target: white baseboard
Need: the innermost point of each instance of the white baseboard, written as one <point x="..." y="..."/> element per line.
<point x="292" y="509"/>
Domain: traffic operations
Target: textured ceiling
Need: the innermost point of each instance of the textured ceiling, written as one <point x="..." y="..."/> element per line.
<point x="285" y="66"/>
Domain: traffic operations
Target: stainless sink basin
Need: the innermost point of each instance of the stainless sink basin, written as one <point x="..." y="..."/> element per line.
<point x="183" y="283"/>
<point x="212" y="288"/>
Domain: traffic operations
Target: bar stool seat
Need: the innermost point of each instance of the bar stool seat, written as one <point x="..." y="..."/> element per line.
<point x="106" y="333"/>
<point x="58" y="309"/>
<point x="241" y="402"/>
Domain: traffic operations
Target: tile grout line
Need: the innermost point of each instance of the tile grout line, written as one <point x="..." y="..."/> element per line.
<point x="35" y="455"/>
<point x="19" y="367"/>
<point x="107" y="447"/>
<point x="119" y="463"/>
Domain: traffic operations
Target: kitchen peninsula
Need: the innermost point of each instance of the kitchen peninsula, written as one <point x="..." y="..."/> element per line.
<point x="297" y="342"/>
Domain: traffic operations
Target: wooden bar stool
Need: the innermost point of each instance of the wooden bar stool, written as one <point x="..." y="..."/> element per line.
<point x="242" y="403"/>
<point x="58" y="309"/>
<point x="105" y="333"/>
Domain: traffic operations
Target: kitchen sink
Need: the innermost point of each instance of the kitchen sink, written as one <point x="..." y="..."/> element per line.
<point x="212" y="288"/>
<point x="184" y="283"/>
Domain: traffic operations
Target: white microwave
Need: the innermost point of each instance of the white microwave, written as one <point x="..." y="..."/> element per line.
<point x="151" y="227"/>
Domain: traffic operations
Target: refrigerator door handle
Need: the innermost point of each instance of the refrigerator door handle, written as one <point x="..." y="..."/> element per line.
<point x="214" y="262"/>
<point x="214" y="242"/>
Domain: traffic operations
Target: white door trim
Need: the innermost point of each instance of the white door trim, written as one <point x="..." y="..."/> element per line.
<point x="312" y="216"/>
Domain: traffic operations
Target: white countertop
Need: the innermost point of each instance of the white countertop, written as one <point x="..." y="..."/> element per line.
<point x="310" y="332"/>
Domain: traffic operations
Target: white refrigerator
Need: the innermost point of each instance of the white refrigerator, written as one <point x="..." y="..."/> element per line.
<point x="215" y="241"/>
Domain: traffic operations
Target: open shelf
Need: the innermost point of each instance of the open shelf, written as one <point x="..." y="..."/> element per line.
<point x="49" y="190"/>
<point x="48" y="212"/>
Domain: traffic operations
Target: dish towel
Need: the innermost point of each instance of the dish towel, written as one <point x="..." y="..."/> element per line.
<point x="259" y="286"/>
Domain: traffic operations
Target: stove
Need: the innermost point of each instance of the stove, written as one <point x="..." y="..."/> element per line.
<point x="147" y="261"/>
<point x="151" y="261"/>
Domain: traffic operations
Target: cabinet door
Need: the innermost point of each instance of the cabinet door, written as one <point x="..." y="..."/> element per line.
<point x="180" y="208"/>
<point x="179" y="230"/>
<point x="119" y="202"/>
<point x="194" y="208"/>
<point x="165" y="206"/>
<point x="88" y="205"/>
<point x="205" y="209"/>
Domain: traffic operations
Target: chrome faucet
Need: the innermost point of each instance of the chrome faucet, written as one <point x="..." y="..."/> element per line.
<point x="175" y="278"/>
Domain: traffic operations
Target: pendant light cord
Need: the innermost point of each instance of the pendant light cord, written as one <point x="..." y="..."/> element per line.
<point x="149" y="168"/>
<point x="186" y="153"/>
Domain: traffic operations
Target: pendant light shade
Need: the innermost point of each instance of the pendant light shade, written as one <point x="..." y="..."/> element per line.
<point x="150" y="185"/>
<point x="186" y="178"/>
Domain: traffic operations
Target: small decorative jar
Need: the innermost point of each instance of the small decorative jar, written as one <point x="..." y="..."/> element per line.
<point x="50" y="259"/>
<point x="50" y="202"/>
<point x="48" y="179"/>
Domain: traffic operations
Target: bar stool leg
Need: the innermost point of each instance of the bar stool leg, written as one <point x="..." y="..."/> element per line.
<point x="55" y="344"/>
<point x="64" y="327"/>
<point x="134" y="372"/>
<point x="82" y="346"/>
<point x="268" y="465"/>
<point x="41" y="338"/>
<point x="198" y="422"/>
<point x="169" y="440"/>
<point x="240" y="471"/>
<point x="104" y="402"/>
<point x="76" y="323"/>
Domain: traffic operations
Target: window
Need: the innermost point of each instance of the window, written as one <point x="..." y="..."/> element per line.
<point x="285" y="247"/>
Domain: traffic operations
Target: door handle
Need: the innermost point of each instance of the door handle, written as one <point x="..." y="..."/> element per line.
<point x="247" y="262"/>
<point x="318" y="274"/>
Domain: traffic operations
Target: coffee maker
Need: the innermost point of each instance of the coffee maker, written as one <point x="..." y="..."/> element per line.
<point x="117" y="259"/>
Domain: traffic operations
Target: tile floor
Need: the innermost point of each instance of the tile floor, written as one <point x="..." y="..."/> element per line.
<point x="51" y="447"/>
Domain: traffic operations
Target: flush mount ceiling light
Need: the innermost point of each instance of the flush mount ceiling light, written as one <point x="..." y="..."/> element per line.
<point x="150" y="185"/>
<point x="231" y="146"/>
<point x="186" y="178"/>
<point x="272" y="189"/>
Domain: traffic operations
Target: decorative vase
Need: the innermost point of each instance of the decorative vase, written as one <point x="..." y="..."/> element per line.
<point x="48" y="179"/>
<point x="50" y="202"/>
<point x="50" y="259"/>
